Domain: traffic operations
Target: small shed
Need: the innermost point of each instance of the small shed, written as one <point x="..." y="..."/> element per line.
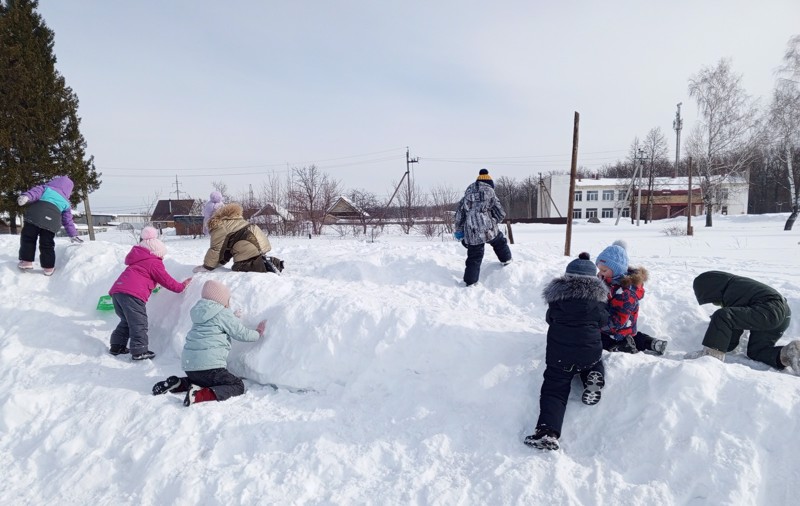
<point x="343" y="210"/>
<point x="188" y="225"/>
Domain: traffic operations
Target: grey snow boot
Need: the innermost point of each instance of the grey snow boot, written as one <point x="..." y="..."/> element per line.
<point x="790" y="356"/>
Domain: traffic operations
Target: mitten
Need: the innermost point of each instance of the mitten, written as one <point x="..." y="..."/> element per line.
<point x="261" y="326"/>
<point x="186" y="282"/>
<point x="75" y="239"/>
<point x="459" y="234"/>
<point x="22" y="200"/>
<point x="237" y="313"/>
<point x="627" y="345"/>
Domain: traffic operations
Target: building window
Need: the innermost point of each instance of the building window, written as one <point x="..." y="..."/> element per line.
<point x="591" y="195"/>
<point x="578" y="197"/>
<point x="724" y="209"/>
<point x="626" y="213"/>
<point x="723" y="194"/>
<point x="608" y="194"/>
<point x="621" y="195"/>
<point x="608" y="213"/>
<point x="576" y="214"/>
<point x="591" y="213"/>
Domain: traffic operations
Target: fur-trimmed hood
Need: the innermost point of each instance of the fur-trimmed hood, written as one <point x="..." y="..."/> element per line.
<point x="226" y="212"/>
<point x="578" y="287"/>
<point x="636" y="276"/>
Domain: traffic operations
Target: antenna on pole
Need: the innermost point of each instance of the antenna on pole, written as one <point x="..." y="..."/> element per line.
<point x="677" y="125"/>
<point x="177" y="188"/>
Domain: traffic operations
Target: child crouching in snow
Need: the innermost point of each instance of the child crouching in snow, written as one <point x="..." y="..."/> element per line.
<point x="576" y="311"/>
<point x="205" y="352"/>
<point x="626" y="289"/>
<point x="130" y="292"/>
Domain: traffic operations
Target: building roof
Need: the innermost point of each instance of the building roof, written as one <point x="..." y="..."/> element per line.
<point x="167" y="209"/>
<point x="344" y="208"/>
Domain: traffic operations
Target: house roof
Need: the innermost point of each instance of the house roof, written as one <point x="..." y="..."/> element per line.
<point x="343" y="207"/>
<point x="272" y="209"/>
<point x="167" y="209"/>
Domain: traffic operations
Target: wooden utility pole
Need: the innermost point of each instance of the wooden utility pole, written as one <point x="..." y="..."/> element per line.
<point x="572" y="176"/>
<point x="689" y="230"/>
<point x="88" y="211"/>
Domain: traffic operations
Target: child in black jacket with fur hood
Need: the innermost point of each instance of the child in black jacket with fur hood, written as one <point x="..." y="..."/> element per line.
<point x="576" y="312"/>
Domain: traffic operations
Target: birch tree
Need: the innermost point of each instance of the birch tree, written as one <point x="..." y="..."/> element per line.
<point x="785" y="120"/>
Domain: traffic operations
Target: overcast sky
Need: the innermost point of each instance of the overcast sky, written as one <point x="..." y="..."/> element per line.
<point x="231" y="91"/>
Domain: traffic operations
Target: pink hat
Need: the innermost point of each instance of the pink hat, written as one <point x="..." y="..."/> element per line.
<point x="216" y="291"/>
<point x="149" y="241"/>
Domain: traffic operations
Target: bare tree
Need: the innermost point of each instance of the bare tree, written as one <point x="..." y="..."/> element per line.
<point x="785" y="119"/>
<point x="312" y="194"/>
<point x="409" y="200"/>
<point x="443" y="200"/>
<point x="364" y="201"/>
<point x="221" y="187"/>
<point x="724" y="140"/>
<point x="655" y="152"/>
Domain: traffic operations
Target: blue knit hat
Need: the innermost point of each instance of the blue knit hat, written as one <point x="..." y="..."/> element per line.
<point x="615" y="257"/>
<point x="581" y="266"/>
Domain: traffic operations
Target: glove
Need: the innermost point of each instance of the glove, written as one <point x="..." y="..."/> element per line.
<point x="22" y="200"/>
<point x="626" y="345"/>
<point x="200" y="268"/>
<point x="76" y="239"/>
<point x="237" y="313"/>
<point x="459" y="234"/>
<point x="261" y="326"/>
<point x="186" y="282"/>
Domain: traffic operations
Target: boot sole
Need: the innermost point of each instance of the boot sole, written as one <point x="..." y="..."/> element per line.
<point x="544" y="443"/>
<point x="594" y="383"/>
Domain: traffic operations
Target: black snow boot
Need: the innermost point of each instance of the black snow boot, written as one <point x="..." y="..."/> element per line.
<point x="543" y="438"/>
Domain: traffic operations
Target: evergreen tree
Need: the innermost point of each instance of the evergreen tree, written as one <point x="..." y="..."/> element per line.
<point x="39" y="132"/>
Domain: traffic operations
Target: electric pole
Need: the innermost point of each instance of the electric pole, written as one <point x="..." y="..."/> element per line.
<point x="177" y="188"/>
<point x="641" y="159"/>
<point x="677" y="125"/>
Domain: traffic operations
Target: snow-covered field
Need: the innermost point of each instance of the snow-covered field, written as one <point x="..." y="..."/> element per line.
<point x="424" y="388"/>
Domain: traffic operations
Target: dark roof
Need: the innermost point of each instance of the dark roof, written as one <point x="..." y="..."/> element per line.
<point x="167" y="209"/>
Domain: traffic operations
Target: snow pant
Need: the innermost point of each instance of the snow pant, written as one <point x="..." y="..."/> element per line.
<point x="220" y="381"/>
<point x="475" y="256"/>
<point x="555" y="392"/>
<point x="47" y="245"/>
<point x="132" y="323"/>
<point x="766" y="322"/>
<point x="641" y="341"/>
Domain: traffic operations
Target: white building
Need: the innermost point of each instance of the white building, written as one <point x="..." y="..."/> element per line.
<point x="605" y="197"/>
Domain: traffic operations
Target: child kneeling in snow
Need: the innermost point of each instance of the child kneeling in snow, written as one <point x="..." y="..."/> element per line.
<point x="130" y="292"/>
<point x="576" y="312"/>
<point x="205" y="352"/>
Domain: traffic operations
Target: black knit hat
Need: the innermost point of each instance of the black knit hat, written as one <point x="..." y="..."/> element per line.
<point x="484" y="177"/>
<point x="581" y="266"/>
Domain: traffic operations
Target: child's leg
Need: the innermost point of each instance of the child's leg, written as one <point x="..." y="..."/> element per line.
<point x="27" y="242"/>
<point x="47" y="249"/>
<point x="553" y="398"/>
<point x="594" y="380"/>
<point x="119" y="337"/>
<point x="473" y="263"/>
<point x="500" y="246"/>
<point x="220" y="381"/>
<point x="135" y="316"/>
<point x="172" y="384"/>
<point x="761" y="345"/>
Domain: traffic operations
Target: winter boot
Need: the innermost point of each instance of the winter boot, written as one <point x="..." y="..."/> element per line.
<point x="25" y="265"/>
<point x="197" y="394"/>
<point x="706" y="352"/>
<point x="594" y="383"/>
<point x="147" y="355"/>
<point x="508" y="261"/>
<point x="118" y="349"/>
<point x="171" y="384"/>
<point x="658" y="346"/>
<point x="48" y="271"/>
<point x="543" y="438"/>
<point x="790" y="356"/>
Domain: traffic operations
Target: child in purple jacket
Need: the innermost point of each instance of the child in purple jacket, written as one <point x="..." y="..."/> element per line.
<point x="145" y="269"/>
<point x="47" y="209"/>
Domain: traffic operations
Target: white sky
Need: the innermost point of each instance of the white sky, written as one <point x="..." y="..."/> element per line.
<point x="216" y="91"/>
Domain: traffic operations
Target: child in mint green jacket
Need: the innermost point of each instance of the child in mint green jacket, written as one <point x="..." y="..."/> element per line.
<point x="205" y="352"/>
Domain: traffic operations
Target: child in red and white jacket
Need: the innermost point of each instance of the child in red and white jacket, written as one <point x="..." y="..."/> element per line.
<point x="626" y="289"/>
<point x="130" y="292"/>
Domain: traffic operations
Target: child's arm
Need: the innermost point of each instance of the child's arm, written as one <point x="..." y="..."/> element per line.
<point x="69" y="225"/>
<point x="162" y="277"/>
<point x="236" y="329"/>
<point x="211" y="260"/>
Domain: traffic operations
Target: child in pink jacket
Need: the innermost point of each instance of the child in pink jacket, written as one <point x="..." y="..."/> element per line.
<point x="145" y="269"/>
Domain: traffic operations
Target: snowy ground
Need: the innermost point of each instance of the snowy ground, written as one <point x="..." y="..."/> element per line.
<point x="425" y="388"/>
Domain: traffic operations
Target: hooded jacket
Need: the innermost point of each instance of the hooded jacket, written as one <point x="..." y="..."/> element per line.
<point x="623" y="303"/>
<point x="209" y="340"/>
<point x="233" y="237"/>
<point x="730" y="290"/>
<point x="144" y="270"/>
<point x="478" y="214"/>
<point x="576" y="312"/>
<point x="48" y="206"/>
